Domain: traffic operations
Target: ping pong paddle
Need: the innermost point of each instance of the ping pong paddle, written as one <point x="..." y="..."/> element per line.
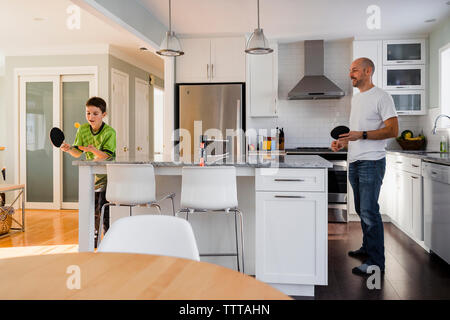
<point x="336" y="132"/>
<point x="57" y="137"/>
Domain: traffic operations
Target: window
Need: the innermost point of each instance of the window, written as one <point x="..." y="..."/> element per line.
<point x="444" y="83"/>
<point x="158" y="107"/>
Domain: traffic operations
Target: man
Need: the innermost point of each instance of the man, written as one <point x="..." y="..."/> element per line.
<point x="373" y="119"/>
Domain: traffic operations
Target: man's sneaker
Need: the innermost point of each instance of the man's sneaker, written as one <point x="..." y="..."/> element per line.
<point x="362" y="270"/>
<point x="358" y="253"/>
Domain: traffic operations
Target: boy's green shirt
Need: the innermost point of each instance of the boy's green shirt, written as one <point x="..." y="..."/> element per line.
<point x="104" y="140"/>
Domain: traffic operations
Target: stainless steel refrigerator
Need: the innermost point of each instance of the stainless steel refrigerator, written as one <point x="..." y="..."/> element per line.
<point x="217" y="106"/>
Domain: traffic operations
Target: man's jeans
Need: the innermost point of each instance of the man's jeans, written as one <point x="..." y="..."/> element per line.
<point x="366" y="177"/>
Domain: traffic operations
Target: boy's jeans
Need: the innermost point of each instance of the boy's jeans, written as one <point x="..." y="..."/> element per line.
<point x="100" y="200"/>
<point x="366" y="177"/>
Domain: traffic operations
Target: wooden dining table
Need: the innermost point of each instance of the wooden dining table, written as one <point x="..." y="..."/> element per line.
<point x="89" y="276"/>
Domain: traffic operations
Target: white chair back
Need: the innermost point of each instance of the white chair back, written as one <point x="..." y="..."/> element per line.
<point x="211" y="188"/>
<point x="130" y="184"/>
<point x="151" y="234"/>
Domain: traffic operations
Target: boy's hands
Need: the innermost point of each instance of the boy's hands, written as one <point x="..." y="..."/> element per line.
<point x="89" y="148"/>
<point x="65" y="147"/>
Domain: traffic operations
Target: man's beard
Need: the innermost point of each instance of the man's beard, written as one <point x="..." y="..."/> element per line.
<point x="355" y="84"/>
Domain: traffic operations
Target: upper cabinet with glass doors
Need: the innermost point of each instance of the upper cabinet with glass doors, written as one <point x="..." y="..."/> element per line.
<point x="404" y="52"/>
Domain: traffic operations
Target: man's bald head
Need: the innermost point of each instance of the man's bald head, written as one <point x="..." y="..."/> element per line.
<point x="366" y="63"/>
<point x="361" y="72"/>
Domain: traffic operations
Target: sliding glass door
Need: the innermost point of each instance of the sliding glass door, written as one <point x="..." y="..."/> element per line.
<point x="46" y="102"/>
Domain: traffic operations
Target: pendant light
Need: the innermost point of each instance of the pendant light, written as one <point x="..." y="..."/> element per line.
<point x="257" y="43"/>
<point x="170" y="46"/>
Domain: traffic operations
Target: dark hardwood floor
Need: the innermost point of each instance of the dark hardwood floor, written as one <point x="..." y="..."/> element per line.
<point x="411" y="272"/>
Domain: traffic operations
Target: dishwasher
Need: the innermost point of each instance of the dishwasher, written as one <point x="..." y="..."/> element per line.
<point x="436" y="205"/>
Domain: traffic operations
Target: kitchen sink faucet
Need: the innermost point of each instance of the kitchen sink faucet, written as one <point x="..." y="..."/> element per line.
<point x="435" y="121"/>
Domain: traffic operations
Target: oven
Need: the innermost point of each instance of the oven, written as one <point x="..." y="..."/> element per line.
<point x="337" y="180"/>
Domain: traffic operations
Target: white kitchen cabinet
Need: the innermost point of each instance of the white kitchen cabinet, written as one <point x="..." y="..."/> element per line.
<point x="291" y="237"/>
<point x="372" y="49"/>
<point x="211" y="60"/>
<point x="404" y="52"/>
<point x="387" y="192"/>
<point x="291" y="229"/>
<point x="404" y="201"/>
<point x="417" y="207"/>
<point x="262" y="83"/>
<point x="228" y="59"/>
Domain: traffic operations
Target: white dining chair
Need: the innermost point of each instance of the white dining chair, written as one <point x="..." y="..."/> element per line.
<point x="151" y="234"/>
<point x="213" y="188"/>
<point x="131" y="185"/>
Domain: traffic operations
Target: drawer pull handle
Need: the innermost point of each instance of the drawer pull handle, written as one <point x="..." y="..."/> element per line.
<point x="414" y="177"/>
<point x="415" y="166"/>
<point x="398" y="162"/>
<point x="291" y="197"/>
<point x="434" y="172"/>
<point x="278" y="180"/>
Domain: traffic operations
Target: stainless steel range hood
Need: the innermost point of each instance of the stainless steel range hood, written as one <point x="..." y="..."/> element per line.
<point x="314" y="85"/>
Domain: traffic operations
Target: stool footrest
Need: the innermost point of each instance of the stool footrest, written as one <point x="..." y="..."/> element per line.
<point x="218" y="254"/>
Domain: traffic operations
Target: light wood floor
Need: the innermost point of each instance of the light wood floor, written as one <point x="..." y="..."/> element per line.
<point x="46" y="232"/>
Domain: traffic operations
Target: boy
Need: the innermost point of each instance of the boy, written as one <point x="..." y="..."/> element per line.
<point x="98" y="141"/>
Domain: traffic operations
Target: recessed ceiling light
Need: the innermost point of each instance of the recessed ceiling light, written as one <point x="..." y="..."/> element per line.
<point x="430" y="20"/>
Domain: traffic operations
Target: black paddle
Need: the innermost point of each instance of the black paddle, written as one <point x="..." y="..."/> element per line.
<point x="336" y="132"/>
<point x="57" y="137"/>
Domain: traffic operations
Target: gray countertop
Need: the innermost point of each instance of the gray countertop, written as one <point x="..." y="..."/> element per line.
<point x="281" y="161"/>
<point x="430" y="156"/>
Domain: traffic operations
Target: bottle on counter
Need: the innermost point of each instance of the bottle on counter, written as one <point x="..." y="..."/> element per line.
<point x="444" y="144"/>
<point x="281" y="139"/>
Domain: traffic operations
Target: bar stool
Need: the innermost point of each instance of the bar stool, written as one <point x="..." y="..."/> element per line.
<point x="212" y="189"/>
<point x="131" y="185"/>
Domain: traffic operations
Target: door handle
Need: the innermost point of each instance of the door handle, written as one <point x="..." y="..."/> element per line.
<point x="139" y="148"/>
<point x="278" y="180"/>
<point x="212" y="70"/>
<point x="290" y="197"/>
<point x="125" y="149"/>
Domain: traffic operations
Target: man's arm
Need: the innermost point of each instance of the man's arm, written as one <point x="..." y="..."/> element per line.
<point x="389" y="131"/>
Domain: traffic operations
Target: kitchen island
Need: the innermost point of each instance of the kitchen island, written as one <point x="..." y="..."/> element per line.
<point x="284" y="205"/>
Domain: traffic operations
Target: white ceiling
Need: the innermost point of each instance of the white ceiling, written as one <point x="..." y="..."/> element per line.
<point x="291" y="20"/>
<point x="21" y="34"/>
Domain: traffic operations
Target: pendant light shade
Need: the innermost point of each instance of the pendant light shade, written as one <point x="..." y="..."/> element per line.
<point x="257" y="43"/>
<point x="170" y="46"/>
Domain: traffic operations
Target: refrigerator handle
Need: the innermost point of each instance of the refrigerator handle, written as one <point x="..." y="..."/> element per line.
<point x="238" y="127"/>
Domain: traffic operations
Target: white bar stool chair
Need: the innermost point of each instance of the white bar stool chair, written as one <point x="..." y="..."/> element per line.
<point x="212" y="189"/>
<point x="131" y="185"/>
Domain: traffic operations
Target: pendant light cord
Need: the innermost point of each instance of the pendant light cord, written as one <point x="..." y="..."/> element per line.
<point x="258" y="14"/>
<point x="170" y="18"/>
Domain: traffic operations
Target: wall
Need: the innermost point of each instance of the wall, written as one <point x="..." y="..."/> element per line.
<point x="309" y="122"/>
<point x="10" y="136"/>
<point x="133" y="73"/>
<point x="439" y="37"/>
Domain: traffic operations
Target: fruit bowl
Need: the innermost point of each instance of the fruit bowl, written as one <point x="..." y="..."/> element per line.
<point x="411" y="144"/>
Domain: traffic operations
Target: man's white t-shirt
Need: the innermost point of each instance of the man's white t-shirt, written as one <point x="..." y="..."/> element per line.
<point x="369" y="111"/>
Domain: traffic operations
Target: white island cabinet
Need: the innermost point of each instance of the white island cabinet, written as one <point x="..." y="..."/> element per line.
<point x="284" y="206"/>
<point x="291" y="229"/>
